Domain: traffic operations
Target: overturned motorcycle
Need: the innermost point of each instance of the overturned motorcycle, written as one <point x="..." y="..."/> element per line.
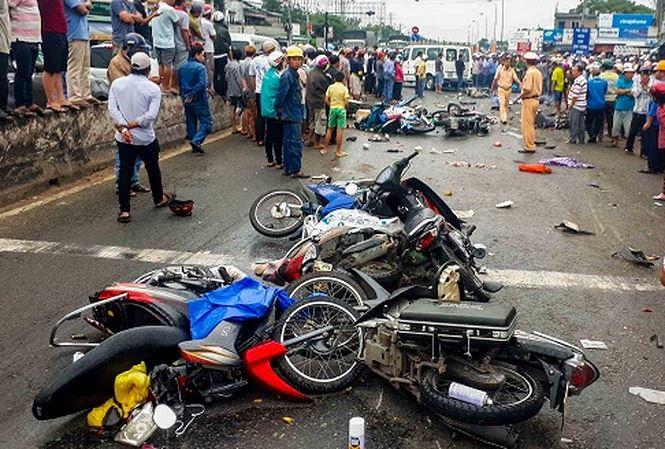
<point x="458" y="119"/>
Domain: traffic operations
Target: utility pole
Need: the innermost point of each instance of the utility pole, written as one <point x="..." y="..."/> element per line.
<point x="660" y="11"/>
<point x="503" y="17"/>
<point x="495" y="14"/>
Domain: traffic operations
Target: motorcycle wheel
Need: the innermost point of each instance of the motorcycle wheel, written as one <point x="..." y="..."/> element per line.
<point x="520" y="397"/>
<point x="328" y="364"/>
<point x="335" y="284"/>
<point x="422" y="127"/>
<point x="262" y="214"/>
<point x="438" y="117"/>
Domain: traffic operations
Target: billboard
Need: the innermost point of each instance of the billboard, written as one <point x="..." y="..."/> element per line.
<point x="552" y="36"/>
<point x="633" y="26"/>
<point x="581" y="41"/>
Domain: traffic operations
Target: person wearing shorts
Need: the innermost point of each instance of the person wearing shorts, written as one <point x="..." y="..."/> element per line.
<point x="163" y="39"/>
<point x="337" y="97"/>
<point x="55" y="49"/>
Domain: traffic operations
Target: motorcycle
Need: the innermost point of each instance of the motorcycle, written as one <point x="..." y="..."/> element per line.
<point x="458" y="119"/>
<point x="401" y="118"/>
<point x="467" y="362"/>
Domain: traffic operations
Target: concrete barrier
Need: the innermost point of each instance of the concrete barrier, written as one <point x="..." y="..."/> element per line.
<point x="42" y="151"/>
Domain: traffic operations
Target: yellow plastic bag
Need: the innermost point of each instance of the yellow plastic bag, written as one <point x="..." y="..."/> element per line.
<point x="131" y="388"/>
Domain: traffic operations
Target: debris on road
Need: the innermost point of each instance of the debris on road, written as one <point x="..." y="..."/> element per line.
<point x="287" y="419"/>
<point x="649" y="395"/>
<point x="352" y="138"/>
<point x="572" y="228"/>
<point x="321" y="177"/>
<point x="465" y="214"/>
<point x="378" y="138"/>
<point x="655" y="338"/>
<point x="535" y="168"/>
<point x="469" y="165"/>
<point x="357" y="433"/>
<point x="550" y="147"/>
<point x="393" y="150"/>
<point x="447" y="193"/>
<point x="497" y="144"/>
<point x="635" y="256"/>
<point x="566" y="440"/>
<point x="647" y="310"/>
<point x="434" y="151"/>
<point x="418" y="148"/>
<point x="568" y="162"/>
<point x="365" y="146"/>
<point x="448" y="151"/>
<point x="593" y="344"/>
<point x="504" y="205"/>
<point x="540" y="143"/>
<point x="594" y="185"/>
<point x="336" y="169"/>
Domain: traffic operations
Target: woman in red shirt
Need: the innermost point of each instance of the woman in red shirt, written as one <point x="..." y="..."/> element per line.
<point x="399" y="80"/>
<point x="658" y="93"/>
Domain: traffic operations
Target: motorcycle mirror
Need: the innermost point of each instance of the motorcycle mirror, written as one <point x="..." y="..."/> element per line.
<point x="164" y="417"/>
<point x="351" y="189"/>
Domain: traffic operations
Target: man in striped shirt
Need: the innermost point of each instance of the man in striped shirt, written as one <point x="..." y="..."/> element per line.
<point x="577" y="102"/>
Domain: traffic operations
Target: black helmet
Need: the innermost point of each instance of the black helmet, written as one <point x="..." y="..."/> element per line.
<point x="135" y="43"/>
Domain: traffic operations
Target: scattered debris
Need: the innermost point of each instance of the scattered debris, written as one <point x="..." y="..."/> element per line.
<point x="393" y="150"/>
<point x="647" y="310"/>
<point x="550" y="147"/>
<point x="566" y="440"/>
<point x="352" y="138"/>
<point x="378" y="138"/>
<point x="336" y="169"/>
<point x="649" y="395"/>
<point x="465" y="214"/>
<point x="594" y="185"/>
<point x="258" y="401"/>
<point x="504" y="205"/>
<point x="572" y="228"/>
<point x="540" y="143"/>
<point x="418" y="148"/>
<point x="655" y="338"/>
<point x="447" y="193"/>
<point x="535" y="168"/>
<point x="635" y="256"/>
<point x="569" y="162"/>
<point x="365" y="146"/>
<point x="482" y="270"/>
<point x="469" y="165"/>
<point x="319" y="177"/>
<point x="448" y="151"/>
<point x="287" y="419"/>
<point x="434" y="151"/>
<point x="657" y="204"/>
<point x="593" y="344"/>
<point x="497" y="144"/>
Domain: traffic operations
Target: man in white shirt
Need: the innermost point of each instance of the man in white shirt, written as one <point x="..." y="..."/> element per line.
<point x="163" y="39"/>
<point x="208" y="32"/>
<point x="260" y="66"/>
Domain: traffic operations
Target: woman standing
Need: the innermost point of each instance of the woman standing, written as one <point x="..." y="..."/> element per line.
<point x="274" y="129"/>
<point x="399" y="80"/>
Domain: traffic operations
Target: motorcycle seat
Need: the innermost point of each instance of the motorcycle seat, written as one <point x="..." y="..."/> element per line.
<point x="457" y="314"/>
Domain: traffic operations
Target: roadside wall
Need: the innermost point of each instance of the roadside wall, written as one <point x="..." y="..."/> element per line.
<point x="42" y="151"/>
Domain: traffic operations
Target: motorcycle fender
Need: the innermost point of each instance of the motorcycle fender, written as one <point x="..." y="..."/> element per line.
<point x="541" y="346"/>
<point x="258" y="364"/>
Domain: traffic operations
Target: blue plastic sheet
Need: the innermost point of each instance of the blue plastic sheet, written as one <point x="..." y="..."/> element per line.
<point x="341" y="202"/>
<point x="243" y="300"/>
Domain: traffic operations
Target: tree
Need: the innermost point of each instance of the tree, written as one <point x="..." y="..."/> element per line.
<point x="613" y="6"/>
<point x="272" y="5"/>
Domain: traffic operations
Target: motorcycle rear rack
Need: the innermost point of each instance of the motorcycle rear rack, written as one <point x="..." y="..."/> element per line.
<point x="75" y="314"/>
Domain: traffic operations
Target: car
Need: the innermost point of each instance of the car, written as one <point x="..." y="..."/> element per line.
<point x="450" y="53"/>
<point x="240" y="41"/>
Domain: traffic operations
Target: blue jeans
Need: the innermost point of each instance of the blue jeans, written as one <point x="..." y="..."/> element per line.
<point x="420" y="87"/>
<point x="388" y="87"/>
<point x="135" y="175"/>
<point x="292" y="148"/>
<point x="460" y="82"/>
<point x="25" y="55"/>
<point x="199" y="121"/>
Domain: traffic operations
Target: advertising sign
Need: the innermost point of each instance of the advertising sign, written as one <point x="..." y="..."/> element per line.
<point x="523" y="47"/>
<point x="605" y="20"/>
<point x="633" y="26"/>
<point x="553" y="36"/>
<point x="608" y="33"/>
<point x="581" y="39"/>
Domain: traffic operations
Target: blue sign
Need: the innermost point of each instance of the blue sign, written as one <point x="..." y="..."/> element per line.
<point x="581" y="39"/>
<point x="552" y="36"/>
<point x="633" y="26"/>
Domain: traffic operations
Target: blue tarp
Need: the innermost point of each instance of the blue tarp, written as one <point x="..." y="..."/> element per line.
<point x="241" y="301"/>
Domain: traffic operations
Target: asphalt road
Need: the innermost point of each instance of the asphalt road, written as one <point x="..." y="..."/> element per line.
<point x="41" y="284"/>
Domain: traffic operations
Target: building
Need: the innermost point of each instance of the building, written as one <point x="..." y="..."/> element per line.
<point x="572" y="20"/>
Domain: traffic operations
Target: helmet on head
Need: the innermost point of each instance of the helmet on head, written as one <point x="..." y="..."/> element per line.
<point x="268" y="46"/>
<point x="294" y="52"/>
<point x="218" y="16"/>
<point x="530" y="56"/>
<point x="275" y="58"/>
<point x="322" y="61"/>
<point x="660" y="67"/>
<point x="135" y="43"/>
<point x="607" y="64"/>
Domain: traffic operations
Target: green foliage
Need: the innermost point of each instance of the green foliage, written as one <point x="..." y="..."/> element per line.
<point x="613" y="6"/>
<point x="272" y="5"/>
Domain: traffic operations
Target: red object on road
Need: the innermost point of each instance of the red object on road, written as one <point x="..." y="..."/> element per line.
<point x="535" y="168"/>
<point x="257" y="362"/>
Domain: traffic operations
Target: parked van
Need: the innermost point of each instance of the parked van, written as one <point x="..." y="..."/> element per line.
<point x="450" y="55"/>
<point x="240" y="41"/>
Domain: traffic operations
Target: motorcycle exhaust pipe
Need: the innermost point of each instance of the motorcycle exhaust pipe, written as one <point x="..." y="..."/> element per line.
<point x="369" y="254"/>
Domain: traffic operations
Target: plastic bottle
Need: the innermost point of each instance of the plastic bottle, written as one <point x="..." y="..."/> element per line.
<point x="356" y="433"/>
<point x="469" y="394"/>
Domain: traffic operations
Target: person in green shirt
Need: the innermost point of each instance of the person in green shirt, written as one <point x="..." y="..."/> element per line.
<point x="611" y="76"/>
<point x="558" y="81"/>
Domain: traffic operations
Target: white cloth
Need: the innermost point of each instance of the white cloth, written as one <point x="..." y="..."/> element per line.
<point x="260" y="66"/>
<point x="354" y="218"/>
<point x="208" y="32"/>
<point x="135" y="98"/>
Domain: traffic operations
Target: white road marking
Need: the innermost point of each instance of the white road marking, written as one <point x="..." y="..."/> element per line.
<point x="93" y="180"/>
<point x="512" y="278"/>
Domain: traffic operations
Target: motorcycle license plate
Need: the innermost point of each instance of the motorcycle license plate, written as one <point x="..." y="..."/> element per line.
<point x="322" y="266"/>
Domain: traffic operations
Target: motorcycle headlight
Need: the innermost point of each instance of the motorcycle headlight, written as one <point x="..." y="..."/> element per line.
<point x="384" y="176"/>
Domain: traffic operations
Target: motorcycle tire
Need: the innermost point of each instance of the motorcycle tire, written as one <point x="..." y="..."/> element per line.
<point x="347" y="289"/>
<point x="286" y="365"/>
<point x="439" y="117"/>
<point x="273" y="232"/>
<point x="489" y="415"/>
<point x="421" y="128"/>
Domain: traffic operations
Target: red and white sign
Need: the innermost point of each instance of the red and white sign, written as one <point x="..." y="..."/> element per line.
<point x="415" y="30"/>
<point x="523" y="47"/>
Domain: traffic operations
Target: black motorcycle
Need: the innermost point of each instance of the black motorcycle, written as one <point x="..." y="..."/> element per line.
<point x="458" y="119"/>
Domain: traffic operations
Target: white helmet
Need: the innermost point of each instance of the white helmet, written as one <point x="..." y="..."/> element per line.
<point x="275" y="58"/>
<point x="530" y="56"/>
<point x="218" y="16"/>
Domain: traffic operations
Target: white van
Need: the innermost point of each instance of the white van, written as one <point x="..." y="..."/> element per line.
<point x="240" y="41"/>
<point x="450" y="55"/>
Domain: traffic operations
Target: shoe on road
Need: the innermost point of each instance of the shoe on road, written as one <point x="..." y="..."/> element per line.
<point x="196" y="148"/>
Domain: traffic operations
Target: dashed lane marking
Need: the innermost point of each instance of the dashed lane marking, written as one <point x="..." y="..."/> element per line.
<point x="93" y="180"/>
<point x="513" y="278"/>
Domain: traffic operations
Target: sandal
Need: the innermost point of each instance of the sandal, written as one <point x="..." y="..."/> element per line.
<point x="124" y="217"/>
<point x="299" y="175"/>
<point x="271" y="165"/>
<point x="323" y="152"/>
<point x="55" y="109"/>
<point x="279" y="166"/>
<point x="340" y="156"/>
<point x="71" y="107"/>
<point x="660" y="197"/>
<point x="166" y="199"/>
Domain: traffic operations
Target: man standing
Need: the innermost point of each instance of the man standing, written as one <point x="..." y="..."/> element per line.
<point x="54" y="48"/>
<point x="193" y="78"/>
<point x="209" y="34"/>
<point x="370" y="76"/>
<point x="222" y="43"/>
<point x="260" y="66"/>
<point x="558" y="81"/>
<point x="134" y="104"/>
<point x="503" y="83"/>
<point x="596" y="91"/>
<point x="531" y="89"/>
<point x="5" y="36"/>
<point x="26" y="36"/>
<point x="475" y="71"/>
<point x="623" y="107"/>
<point x="438" y="73"/>
<point x="249" y="93"/>
<point x="378" y="68"/>
<point x="421" y="76"/>
<point x="459" y="71"/>
<point x="611" y="77"/>
<point x="183" y="40"/>
<point x="389" y="78"/>
<point x="641" y="95"/>
<point x="163" y="38"/>
<point x="274" y="131"/>
<point x="290" y="109"/>
<point x="234" y="89"/>
<point x="577" y="99"/>
<point x="315" y="98"/>
<point x="123" y="17"/>
<point x="78" y="62"/>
